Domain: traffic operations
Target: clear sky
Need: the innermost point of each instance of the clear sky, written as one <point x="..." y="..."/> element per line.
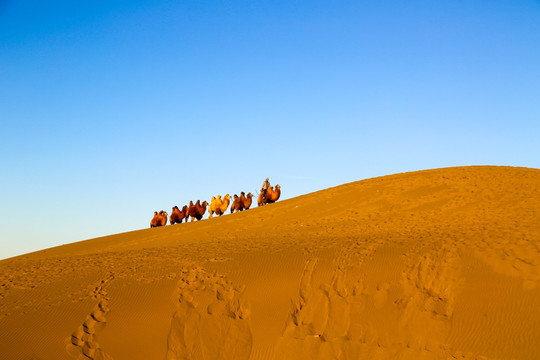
<point x="110" y="110"/>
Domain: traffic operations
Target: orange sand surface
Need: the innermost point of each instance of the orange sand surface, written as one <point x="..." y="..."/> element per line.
<point x="436" y="264"/>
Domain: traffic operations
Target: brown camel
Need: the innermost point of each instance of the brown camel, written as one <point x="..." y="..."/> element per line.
<point x="164" y="217"/>
<point x="155" y="220"/>
<point x="247" y="200"/>
<point x="178" y="216"/>
<point x="271" y="196"/>
<point x="197" y="211"/>
<point x="237" y="204"/>
<point x="192" y="210"/>
<point x="159" y="219"/>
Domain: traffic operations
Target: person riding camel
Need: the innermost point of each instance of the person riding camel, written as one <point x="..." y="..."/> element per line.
<point x="264" y="188"/>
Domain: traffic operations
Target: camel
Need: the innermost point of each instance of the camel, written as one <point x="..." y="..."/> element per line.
<point x="237" y="204"/>
<point x="271" y="196"/>
<point x="155" y="220"/>
<point x="247" y="200"/>
<point x="159" y="219"/>
<point x="192" y="210"/>
<point x="215" y="205"/>
<point x="197" y="211"/>
<point x="177" y="216"/>
<point x="164" y="216"/>
<point x="184" y="212"/>
<point x="218" y="205"/>
<point x="201" y="209"/>
<point x="241" y="200"/>
<point x="224" y="204"/>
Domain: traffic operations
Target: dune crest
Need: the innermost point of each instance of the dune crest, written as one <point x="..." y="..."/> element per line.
<point x="435" y="264"/>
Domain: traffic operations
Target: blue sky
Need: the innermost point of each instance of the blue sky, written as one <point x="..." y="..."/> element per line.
<point x="110" y="110"/>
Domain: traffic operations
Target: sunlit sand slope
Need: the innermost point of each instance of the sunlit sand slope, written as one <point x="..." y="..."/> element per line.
<point x="437" y="264"/>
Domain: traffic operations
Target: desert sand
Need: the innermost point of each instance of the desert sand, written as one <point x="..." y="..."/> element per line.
<point x="435" y="264"/>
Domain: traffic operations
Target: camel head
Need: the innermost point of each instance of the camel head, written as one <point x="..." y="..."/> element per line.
<point x="249" y="195"/>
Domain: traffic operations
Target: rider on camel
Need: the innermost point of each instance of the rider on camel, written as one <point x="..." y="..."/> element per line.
<point x="264" y="188"/>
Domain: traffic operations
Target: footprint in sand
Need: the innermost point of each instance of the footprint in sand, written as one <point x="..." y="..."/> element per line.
<point x="429" y="288"/>
<point x="212" y="320"/>
<point x="381" y="295"/>
<point x="320" y="318"/>
<point x="83" y="344"/>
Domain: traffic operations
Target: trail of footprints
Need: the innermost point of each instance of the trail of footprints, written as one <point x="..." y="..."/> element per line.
<point x="320" y="318"/>
<point x="212" y="319"/>
<point x="429" y="287"/>
<point x="334" y="320"/>
<point x="83" y="343"/>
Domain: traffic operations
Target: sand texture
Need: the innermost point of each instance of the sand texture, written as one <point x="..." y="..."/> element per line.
<point x="436" y="264"/>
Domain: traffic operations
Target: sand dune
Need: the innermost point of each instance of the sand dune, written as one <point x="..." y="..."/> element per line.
<point x="436" y="264"/>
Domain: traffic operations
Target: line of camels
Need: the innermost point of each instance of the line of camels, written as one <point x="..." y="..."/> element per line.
<point x="217" y="206"/>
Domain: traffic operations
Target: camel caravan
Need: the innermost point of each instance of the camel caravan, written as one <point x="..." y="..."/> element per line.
<point x="217" y="206"/>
